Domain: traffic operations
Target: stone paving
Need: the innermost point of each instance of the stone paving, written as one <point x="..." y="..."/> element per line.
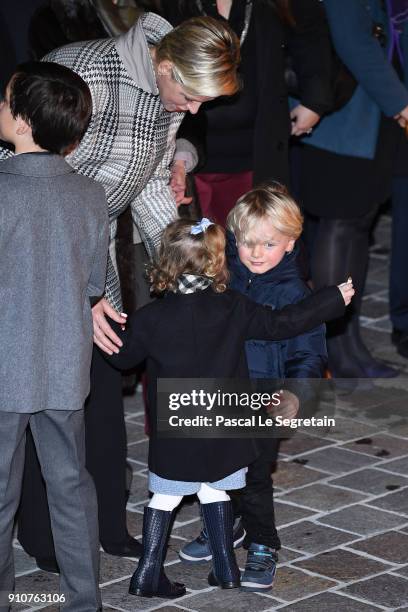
<point x="341" y="503"/>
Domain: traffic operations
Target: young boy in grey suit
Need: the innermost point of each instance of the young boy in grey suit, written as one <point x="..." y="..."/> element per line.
<point x="53" y="252"/>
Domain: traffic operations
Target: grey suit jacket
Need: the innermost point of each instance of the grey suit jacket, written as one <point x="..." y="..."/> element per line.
<point x="53" y="252"/>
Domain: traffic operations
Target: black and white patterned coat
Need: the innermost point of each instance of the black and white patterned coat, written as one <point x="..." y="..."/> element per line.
<point x="130" y="141"/>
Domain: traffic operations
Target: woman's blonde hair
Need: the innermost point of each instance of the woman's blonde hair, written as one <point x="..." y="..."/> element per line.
<point x="205" y="55"/>
<point x="268" y="201"/>
<point x="182" y="252"/>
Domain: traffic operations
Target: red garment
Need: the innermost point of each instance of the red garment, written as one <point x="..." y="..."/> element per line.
<point x="218" y="193"/>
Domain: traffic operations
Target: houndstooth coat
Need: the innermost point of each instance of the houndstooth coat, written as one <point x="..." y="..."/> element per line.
<point x="130" y="141"/>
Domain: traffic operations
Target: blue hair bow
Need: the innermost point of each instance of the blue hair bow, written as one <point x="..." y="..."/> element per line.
<point x="200" y="226"/>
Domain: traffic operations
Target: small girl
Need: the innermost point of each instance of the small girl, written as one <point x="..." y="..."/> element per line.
<point x="199" y="330"/>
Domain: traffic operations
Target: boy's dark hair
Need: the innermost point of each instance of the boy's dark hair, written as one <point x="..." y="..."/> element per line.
<point x="54" y="101"/>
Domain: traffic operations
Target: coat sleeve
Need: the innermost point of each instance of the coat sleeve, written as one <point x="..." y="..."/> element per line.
<point x="263" y="323"/>
<point x="193" y="130"/>
<point x="351" y="29"/>
<point x="155" y="206"/>
<point x="186" y="151"/>
<point x="309" y="47"/>
<point x="96" y="283"/>
<point x="135" y="340"/>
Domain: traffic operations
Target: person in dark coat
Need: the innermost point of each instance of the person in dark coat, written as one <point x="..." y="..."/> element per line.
<point x="344" y="171"/>
<point x="198" y="330"/>
<point x="246" y="138"/>
<point x="261" y="254"/>
<point x="399" y="244"/>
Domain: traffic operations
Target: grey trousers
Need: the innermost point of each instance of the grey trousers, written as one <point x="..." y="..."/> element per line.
<point x="60" y="443"/>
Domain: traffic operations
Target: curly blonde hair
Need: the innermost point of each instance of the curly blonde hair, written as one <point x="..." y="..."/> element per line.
<point x="182" y="252"/>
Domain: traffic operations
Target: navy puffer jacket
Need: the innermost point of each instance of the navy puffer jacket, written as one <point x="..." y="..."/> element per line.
<point x="302" y="357"/>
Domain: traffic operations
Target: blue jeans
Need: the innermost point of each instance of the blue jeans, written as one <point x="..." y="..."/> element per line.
<point x="399" y="254"/>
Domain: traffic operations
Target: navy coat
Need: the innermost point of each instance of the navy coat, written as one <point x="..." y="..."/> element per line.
<point x="304" y="356"/>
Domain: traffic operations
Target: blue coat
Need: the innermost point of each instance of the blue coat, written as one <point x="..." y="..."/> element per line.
<point x="304" y="356"/>
<point x="353" y="130"/>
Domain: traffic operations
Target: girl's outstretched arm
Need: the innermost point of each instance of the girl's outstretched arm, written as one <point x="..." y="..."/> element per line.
<point x="324" y="305"/>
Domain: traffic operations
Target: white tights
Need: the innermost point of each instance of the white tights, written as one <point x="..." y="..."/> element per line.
<point x="206" y="495"/>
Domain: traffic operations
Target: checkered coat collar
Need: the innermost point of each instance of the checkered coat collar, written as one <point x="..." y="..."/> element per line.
<point x="190" y="283"/>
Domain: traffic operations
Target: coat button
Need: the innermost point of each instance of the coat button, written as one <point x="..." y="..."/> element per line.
<point x="280" y="146"/>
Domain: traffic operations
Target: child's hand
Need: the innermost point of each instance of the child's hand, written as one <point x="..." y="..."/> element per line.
<point x="288" y="406"/>
<point x="347" y="290"/>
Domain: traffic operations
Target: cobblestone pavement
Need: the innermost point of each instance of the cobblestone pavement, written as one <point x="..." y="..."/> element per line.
<point x="341" y="503"/>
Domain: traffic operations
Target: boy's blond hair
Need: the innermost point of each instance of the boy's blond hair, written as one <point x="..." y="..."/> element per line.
<point x="266" y="202"/>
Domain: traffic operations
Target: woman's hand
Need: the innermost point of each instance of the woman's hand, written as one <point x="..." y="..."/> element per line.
<point x="178" y="182"/>
<point x="303" y="120"/>
<point x="103" y="335"/>
<point x="347" y="291"/>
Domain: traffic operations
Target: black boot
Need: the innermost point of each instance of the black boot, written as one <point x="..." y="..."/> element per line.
<point x="149" y="579"/>
<point x="219" y="521"/>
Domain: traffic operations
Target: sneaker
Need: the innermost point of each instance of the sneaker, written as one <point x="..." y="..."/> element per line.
<point x="260" y="568"/>
<point x="198" y="551"/>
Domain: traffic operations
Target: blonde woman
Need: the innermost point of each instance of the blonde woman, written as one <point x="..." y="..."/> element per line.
<point x="142" y="83"/>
